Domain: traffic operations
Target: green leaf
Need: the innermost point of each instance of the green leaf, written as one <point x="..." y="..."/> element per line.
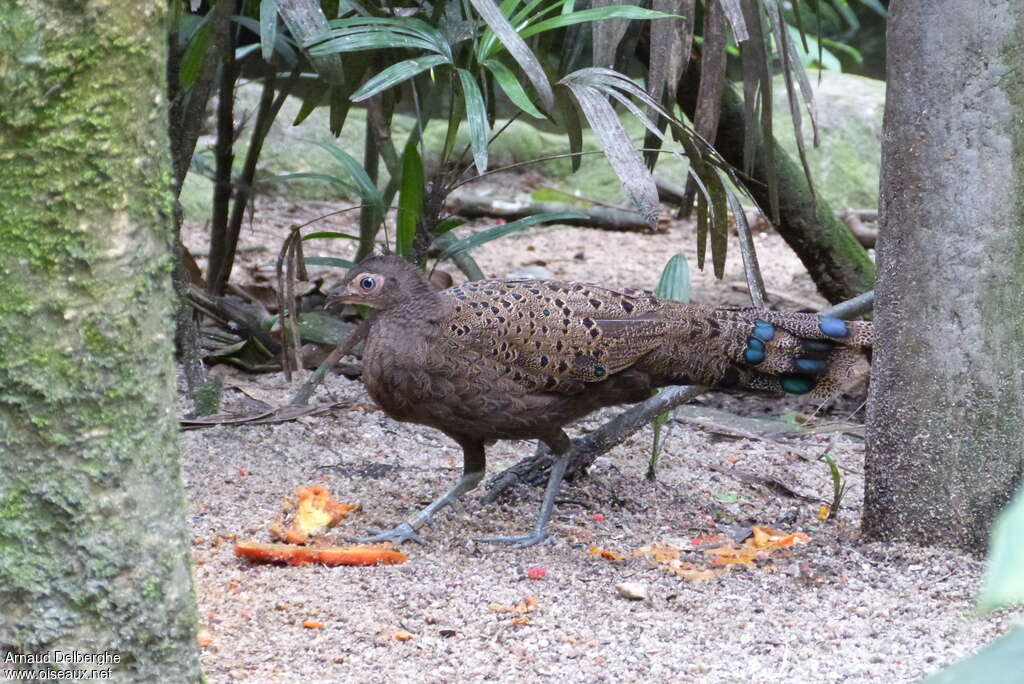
<point x="476" y="116"/>
<point x="374" y="39"/>
<point x="308" y="105"/>
<point x="675" y="280"/>
<point x="283" y="45"/>
<point x="340" y="104"/>
<point x="511" y="86"/>
<point x="374" y="33"/>
<point x="496" y="232"/>
<point x="997" y="663"/>
<point x="368" y="191"/>
<point x="569" y="119"/>
<point x="618" y="149"/>
<point x="1004" y="576"/>
<point x="329" y="261"/>
<point x="596" y="14"/>
<point x="876" y="6"/>
<point x="445" y="225"/>
<point x="410" y="200"/>
<point x="268" y="28"/>
<point x="329" y="234"/>
<point x="192" y="60"/>
<point x="516" y="47"/>
<point x="398" y="73"/>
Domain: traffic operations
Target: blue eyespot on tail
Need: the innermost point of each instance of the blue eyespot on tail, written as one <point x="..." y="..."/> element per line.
<point x="763" y="330"/>
<point x="816" y="366"/>
<point x="754" y="353"/>
<point x="796" y="384"/>
<point x="833" y="327"/>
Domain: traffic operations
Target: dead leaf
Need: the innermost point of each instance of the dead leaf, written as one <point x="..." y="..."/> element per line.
<point x="606" y="554"/>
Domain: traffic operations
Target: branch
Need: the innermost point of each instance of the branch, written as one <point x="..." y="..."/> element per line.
<point x="596" y="217"/>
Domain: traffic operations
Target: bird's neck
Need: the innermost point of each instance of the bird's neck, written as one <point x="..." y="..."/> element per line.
<point x="418" y="314"/>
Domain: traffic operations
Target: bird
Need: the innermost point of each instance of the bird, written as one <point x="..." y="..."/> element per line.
<point x="496" y="360"/>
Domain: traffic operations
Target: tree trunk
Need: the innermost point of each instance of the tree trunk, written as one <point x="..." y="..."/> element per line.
<point x="946" y="410"/>
<point x="94" y="556"/>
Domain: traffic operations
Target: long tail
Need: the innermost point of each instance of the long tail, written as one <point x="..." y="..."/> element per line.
<point x="764" y="350"/>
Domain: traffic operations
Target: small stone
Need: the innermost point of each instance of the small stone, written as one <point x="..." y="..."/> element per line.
<point x="532" y="272"/>
<point x="634" y="591"/>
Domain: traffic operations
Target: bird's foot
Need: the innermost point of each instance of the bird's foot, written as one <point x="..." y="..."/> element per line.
<point x="535" y="538"/>
<point x="396" y="535"/>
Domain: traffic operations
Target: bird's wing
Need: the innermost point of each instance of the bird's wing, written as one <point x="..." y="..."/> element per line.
<point x="554" y="336"/>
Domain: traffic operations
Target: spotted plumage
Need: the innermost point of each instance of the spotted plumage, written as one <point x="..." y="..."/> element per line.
<point x="520" y="359"/>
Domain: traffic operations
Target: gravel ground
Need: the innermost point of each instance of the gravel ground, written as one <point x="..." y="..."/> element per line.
<point x="834" y="610"/>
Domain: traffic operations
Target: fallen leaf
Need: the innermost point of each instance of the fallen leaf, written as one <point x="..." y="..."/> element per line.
<point x="402" y="635"/>
<point x="606" y="554"/>
<point x="763" y="537"/>
<point x="693" y="574"/>
<point x="526" y="605"/>
<point x="709" y="539"/>
<point x="660" y="553"/>
<point x="520" y="621"/>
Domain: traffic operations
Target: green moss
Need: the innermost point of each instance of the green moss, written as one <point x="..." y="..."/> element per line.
<point x="13" y="505"/>
<point x="207" y="398"/>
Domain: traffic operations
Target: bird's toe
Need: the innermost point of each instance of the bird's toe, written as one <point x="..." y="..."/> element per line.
<point x="397" y="535"/>
<point x="522" y="541"/>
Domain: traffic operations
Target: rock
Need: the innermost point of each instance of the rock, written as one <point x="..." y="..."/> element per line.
<point x="634" y="591"/>
<point x="845" y="167"/>
<point x="532" y="272"/>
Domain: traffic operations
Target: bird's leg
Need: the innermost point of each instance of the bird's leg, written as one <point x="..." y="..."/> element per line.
<point x="559" y="445"/>
<point x="472" y="473"/>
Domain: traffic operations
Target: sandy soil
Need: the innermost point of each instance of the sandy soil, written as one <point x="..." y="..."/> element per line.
<point x="835" y="610"/>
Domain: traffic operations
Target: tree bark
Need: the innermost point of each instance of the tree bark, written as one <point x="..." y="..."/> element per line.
<point x="946" y="408"/>
<point x="94" y="556"/>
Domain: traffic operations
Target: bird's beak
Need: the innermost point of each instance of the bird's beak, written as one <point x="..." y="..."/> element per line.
<point x="347" y="296"/>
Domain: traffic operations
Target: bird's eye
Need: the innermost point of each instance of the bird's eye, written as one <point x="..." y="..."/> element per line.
<point x="367" y="283"/>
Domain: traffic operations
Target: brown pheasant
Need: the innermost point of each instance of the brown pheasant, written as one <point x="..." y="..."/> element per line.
<point x="520" y="359"/>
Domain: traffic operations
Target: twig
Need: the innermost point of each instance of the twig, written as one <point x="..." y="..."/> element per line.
<point x="851" y="308"/>
<point x="306" y="391"/>
<point x="865" y="236"/>
<point x="287" y="307"/>
<point x="243" y="322"/>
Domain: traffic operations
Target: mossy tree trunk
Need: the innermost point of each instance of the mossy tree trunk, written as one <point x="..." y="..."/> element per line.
<point x="94" y="556"/>
<point x="946" y="410"/>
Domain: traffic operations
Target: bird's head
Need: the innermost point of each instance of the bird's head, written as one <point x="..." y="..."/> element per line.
<point x="381" y="282"/>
